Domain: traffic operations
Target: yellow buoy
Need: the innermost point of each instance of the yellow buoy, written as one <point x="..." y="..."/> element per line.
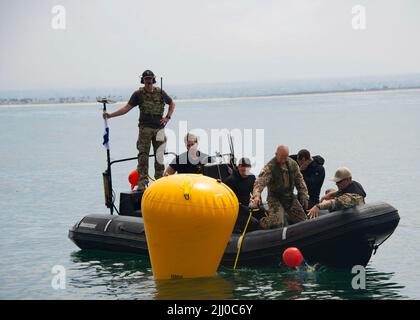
<point x="188" y="220"/>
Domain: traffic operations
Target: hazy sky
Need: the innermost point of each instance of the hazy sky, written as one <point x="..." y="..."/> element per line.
<point x="109" y="42"/>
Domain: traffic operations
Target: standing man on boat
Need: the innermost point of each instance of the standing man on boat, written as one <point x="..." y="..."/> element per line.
<point x="350" y="194"/>
<point x="281" y="175"/>
<point x="151" y="101"/>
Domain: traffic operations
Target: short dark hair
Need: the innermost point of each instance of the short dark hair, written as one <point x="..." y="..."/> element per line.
<point x="304" y="155"/>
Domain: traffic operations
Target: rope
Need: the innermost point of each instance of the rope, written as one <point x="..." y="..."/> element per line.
<point x="376" y="247"/>
<point x="113" y="196"/>
<point x="243" y="236"/>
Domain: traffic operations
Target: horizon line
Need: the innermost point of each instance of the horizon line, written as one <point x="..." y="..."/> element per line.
<point x="217" y="99"/>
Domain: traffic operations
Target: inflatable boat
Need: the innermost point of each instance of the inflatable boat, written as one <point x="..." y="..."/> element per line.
<point x="339" y="239"/>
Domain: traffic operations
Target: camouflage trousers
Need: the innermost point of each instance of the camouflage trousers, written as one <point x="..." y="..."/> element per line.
<point x="277" y="213"/>
<point x="157" y="138"/>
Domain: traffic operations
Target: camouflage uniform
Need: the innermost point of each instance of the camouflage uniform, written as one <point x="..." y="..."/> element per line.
<point x="152" y="106"/>
<point x="343" y="201"/>
<point x="281" y="182"/>
<point x="157" y="138"/>
<point x="347" y="200"/>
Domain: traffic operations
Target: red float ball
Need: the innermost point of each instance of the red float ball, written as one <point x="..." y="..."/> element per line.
<point x="292" y="257"/>
<point x="133" y="178"/>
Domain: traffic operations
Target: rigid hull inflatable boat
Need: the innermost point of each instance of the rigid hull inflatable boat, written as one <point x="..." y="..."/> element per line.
<point x="338" y="239"/>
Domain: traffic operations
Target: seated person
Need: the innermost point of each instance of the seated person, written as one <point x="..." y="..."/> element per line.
<point x="350" y="194"/>
<point x="241" y="181"/>
<point x="191" y="161"/>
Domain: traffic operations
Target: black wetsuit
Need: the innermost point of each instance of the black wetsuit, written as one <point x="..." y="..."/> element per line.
<point x="314" y="176"/>
<point x="243" y="189"/>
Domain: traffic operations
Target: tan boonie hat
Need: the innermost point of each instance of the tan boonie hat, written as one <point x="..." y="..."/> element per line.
<point x="341" y="174"/>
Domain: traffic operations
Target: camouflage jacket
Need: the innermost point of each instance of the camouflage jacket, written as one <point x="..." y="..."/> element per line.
<point x="281" y="181"/>
<point x="344" y="201"/>
<point x="352" y="196"/>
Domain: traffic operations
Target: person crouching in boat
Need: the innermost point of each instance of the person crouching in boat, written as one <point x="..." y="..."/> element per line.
<point x="350" y="193"/>
<point x="281" y="175"/>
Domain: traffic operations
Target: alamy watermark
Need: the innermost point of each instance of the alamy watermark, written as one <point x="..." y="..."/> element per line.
<point x="359" y="280"/>
<point x="58" y="281"/>
<point x="58" y="21"/>
<point x="247" y="142"/>
<point x="358" y="21"/>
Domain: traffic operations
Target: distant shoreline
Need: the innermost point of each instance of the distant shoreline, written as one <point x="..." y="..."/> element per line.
<point x="261" y="97"/>
<point x="299" y="94"/>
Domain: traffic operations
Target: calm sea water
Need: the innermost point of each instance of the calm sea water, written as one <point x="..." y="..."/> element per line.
<point x="50" y="176"/>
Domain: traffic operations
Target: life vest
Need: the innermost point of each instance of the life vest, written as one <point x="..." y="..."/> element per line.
<point x="152" y="103"/>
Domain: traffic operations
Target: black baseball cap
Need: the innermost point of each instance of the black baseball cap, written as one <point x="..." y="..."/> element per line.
<point x="245" y="162"/>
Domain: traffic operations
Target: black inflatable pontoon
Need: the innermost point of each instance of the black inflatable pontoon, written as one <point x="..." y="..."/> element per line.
<point x="338" y="239"/>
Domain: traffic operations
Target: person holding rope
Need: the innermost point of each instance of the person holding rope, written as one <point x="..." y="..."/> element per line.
<point x="241" y="181"/>
<point x="281" y="175"/>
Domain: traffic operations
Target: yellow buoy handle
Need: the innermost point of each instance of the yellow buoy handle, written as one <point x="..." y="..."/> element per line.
<point x="187" y="189"/>
<point x="258" y="209"/>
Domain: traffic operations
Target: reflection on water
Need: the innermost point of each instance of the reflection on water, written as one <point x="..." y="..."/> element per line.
<point x="122" y="276"/>
<point x="112" y="275"/>
<point x="324" y="283"/>
<point x="125" y="276"/>
<point x="215" y="288"/>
